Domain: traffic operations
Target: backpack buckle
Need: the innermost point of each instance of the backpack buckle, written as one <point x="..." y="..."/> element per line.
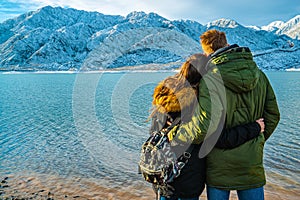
<point x="187" y="155"/>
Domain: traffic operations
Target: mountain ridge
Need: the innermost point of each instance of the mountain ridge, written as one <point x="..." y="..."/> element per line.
<point x="69" y="39"/>
<point x="290" y="28"/>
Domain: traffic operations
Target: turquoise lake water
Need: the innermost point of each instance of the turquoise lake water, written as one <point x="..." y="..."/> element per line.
<point x="92" y="125"/>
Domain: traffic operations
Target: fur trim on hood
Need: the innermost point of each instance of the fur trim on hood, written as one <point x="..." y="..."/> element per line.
<point x="168" y="98"/>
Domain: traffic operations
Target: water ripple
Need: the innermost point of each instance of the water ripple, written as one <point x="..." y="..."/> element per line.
<point x="39" y="126"/>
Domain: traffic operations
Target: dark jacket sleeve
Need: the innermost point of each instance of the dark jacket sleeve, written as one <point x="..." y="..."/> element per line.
<point x="233" y="137"/>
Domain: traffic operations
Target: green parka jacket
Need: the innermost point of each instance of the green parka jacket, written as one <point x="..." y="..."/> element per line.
<point x="233" y="92"/>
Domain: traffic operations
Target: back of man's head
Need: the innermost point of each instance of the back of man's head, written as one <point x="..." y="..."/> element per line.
<point x="213" y="40"/>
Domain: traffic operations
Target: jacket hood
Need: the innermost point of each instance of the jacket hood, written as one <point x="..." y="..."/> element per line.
<point x="238" y="70"/>
<point x="167" y="98"/>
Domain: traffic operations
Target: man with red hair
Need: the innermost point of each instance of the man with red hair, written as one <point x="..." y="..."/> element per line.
<point x="233" y="92"/>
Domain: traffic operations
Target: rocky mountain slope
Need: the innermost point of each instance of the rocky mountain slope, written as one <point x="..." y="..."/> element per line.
<point x="69" y="39"/>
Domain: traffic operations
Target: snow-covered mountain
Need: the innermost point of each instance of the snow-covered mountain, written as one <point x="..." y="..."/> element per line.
<point x="290" y="28"/>
<point x="273" y="26"/>
<point x="223" y="23"/>
<point x="69" y="39"/>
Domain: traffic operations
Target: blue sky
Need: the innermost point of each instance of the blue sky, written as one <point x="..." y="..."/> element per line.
<point x="246" y="12"/>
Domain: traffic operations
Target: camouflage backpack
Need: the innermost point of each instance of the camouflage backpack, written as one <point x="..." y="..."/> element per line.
<point x="158" y="162"/>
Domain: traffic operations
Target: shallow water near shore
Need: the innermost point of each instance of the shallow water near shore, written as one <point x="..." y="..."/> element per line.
<point x="79" y="135"/>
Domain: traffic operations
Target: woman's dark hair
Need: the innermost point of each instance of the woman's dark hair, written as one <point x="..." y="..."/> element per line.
<point x="189" y="76"/>
<point x="192" y="70"/>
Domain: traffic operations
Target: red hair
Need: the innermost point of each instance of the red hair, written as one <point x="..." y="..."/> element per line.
<point x="213" y="40"/>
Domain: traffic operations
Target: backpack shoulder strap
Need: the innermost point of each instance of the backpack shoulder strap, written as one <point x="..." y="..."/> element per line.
<point x="175" y="122"/>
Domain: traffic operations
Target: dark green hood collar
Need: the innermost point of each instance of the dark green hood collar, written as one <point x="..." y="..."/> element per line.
<point x="219" y="51"/>
<point x="238" y="70"/>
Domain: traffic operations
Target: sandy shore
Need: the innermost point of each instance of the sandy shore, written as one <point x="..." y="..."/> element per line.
<point x="53" y="187"/>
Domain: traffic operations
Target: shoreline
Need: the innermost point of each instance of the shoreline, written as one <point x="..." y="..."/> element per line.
<point x="89" y="72"/>
<point x="116" y="70"/>
<point x="52" y="187"/>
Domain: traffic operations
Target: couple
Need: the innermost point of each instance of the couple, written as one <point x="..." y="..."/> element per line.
<point x="228" y="110"/>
